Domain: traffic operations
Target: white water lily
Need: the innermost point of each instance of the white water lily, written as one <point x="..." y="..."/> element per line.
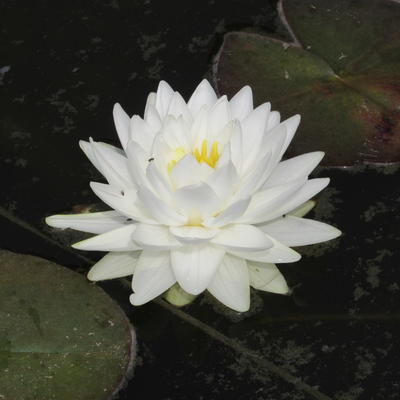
<point x="200" y="197"/>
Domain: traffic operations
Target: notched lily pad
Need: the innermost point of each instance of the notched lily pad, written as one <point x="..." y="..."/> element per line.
<point x="60" y="336"/>
<point x="341" y="73"/>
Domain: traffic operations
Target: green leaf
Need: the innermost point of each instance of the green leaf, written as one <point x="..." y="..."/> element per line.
<point x="341" y="73"/>
<point x="60" y="336"/>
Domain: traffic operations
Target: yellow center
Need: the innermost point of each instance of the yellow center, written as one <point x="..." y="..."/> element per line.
<point x="201" y="155"/>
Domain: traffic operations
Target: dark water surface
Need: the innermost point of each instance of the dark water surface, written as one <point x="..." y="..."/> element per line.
<point x="62" y="67"/>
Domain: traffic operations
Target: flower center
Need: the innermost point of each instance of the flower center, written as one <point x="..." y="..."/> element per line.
<point x="201" y="154"/>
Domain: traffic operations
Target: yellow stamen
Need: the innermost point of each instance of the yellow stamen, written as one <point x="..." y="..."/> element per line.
<point x="211" y="159"/>
<point x="200" y="155"/>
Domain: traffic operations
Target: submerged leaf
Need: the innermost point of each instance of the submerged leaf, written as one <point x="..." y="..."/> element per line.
<point x="60" y="336"/>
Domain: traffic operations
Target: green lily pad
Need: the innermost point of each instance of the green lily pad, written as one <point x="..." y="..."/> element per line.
<point x="341" y="73"/>
<point x="61" y="337"/>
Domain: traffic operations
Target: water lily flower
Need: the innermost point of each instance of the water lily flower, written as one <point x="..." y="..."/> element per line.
<point x="200" y="198"/>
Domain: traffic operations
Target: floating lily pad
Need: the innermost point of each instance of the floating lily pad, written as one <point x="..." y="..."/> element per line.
<point x="60" y="336"/>
<point x="341" y="73"/>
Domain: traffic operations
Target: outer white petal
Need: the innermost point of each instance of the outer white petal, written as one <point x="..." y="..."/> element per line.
<point x="193" y="234"/>
<point x="236" y="146"/>
<point x="158" y="209"/>
<point x="229" y="215"/>
<point x="98" y="222"/>
<point x="279" y="253"/>
<point x="137" y="162"/>
<point x="119" y="239"/>
<point x="273" y="120"/>
<point x="199" y="129"/>
<point x="195" y="266"/>
<point x="114" y="265"/>
<point x="203" y="95"/>
<point x="114" y="166"/>
<point x="122" y="201"/>
<point x="293" y="231"/>
<point x="254" y="178"/>
<point x="153" y="276"/>
<point x="197" y="201"/>
<point x="178" y="108"/>
<point x="88" y="150"/>
<point x="267" y="277"/>
<point x="163" y="98"/>
<point x="294" y="168"/>
<point x="307" y="191"/>
<point x="291" y="125"/>
<point x="154" y="237"/>
<point x="151" y="101"/>
<point x="158" y="181"/>
<point x="140" y="132"/>
<point x="152" y="118"/>
<point x="303" y="209"/>
<point x="220" y="115"/>
<point x="254" y="127"/>
<point x="242" y="103"/>
<point x="267" y="201"/>
<point x="121" y="121"/>
<point x="230" y="284"/>
<point x="239" y="237"/>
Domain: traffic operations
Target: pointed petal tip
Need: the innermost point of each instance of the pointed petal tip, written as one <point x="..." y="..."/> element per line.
<point x="52" y="221"/>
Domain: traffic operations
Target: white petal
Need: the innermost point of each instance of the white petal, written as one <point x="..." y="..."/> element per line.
<point x="158" y="209"/>
<point x="229" y="215"/>
<point x="178" y="108"/>
<point x="195" y="266"/>
<point x="174" y="131"/>
<point x="119" y="239"/>
<point x="158" y="181"/>
<point x="199" y="128"/>
<point x="151" y="101"/>
<point x="220" y="115"/>
<point x="186" y="172"/>
<point x="98" y="222"/>
<point x="153" y="276"/>
<point x="242" y="103"/>
<point x="154" y="237"/>
<point x="303" y="209"/>
<point x="193" y="234"/>
<point x="123" y="202"/>
<point x="88" y="150"/>
<point x="291" y="125"/>
<point x="141" y="133"/>
<point x="114" y="265"/>
<point x="307" y="191"/>
<point x="121" y="121"/>
<point x="223" y="180"/>
<point x="273" y="120"/>
<point x="137" y="162"/>
<point x="197" y="201"/>
<point x="163" y="98"/>
<point x="279" y="253"/>
<point x="267" y="201"/>
<point x="230" y="284"/>
<point x="294" y="168"/>
<point x="152" y="118"/>
<point x="267" y="277"/>
<point x="293" y="231"/>
<point x="114" y="166"/>
<point x="239" y="237"/>
<point x="253" y="128"/>
<point x="255" y="178"/>
<point x="203" y="95"/>
<point x="236" y="146"/>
